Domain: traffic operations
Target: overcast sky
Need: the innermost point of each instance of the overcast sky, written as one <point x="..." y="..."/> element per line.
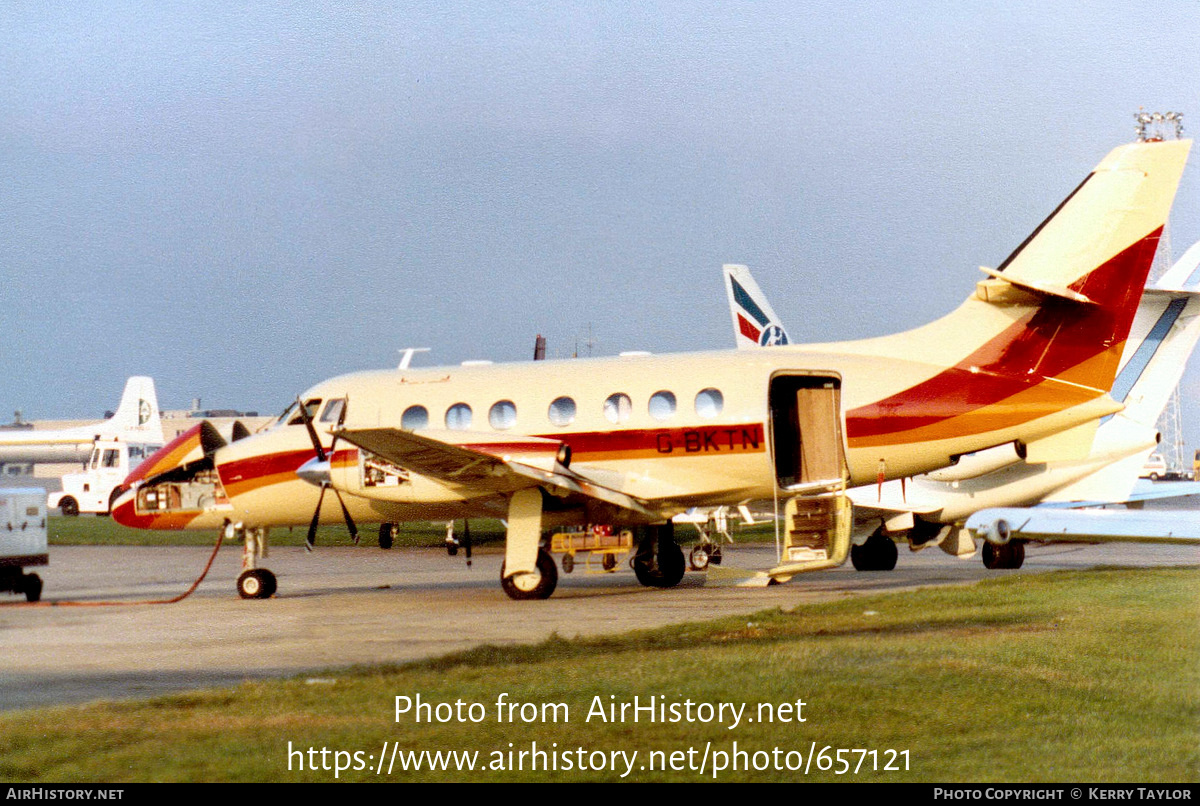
<point x="242" y="200"/>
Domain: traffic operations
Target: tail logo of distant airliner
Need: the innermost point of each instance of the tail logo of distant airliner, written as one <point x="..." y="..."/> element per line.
<point x="143" y="412"/>
<point x="767" y="333"/>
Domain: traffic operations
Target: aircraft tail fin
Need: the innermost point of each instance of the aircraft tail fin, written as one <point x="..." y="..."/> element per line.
<point x="137" y="418"/>
<point x="1045" y="332"/>
<point x="1095" y="250"/>
<point x="755" y="323"/>
<point x="1109" y="224"/>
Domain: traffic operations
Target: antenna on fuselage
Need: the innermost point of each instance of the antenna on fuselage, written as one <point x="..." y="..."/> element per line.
<point x="406" y="355"/>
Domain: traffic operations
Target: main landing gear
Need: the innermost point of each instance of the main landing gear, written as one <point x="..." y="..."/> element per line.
<point x="1008" y="556"/>
<point x="254" y="582"/>
<point x="659" y="562"/>
<point x="877" y="554"/>
<point x="537" y="585"/>
<point x="387" y="535"/>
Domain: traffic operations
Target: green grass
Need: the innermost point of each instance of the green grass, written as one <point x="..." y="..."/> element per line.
<point x="90" y="530"/>
<point x="1067" y="676"/>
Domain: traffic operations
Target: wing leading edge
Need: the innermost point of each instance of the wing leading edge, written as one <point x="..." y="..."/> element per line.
<point x="489" y="466"/>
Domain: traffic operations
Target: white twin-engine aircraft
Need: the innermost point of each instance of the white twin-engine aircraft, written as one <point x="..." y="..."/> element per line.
<point x="1027" y="360"/>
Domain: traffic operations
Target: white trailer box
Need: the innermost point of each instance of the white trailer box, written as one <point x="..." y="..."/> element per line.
<point x="22" y="539"/>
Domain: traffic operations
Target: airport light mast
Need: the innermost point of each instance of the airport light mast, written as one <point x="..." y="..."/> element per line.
<point x="1155" y="127"/>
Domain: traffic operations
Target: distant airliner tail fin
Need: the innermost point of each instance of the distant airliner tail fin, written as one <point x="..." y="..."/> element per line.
<point x="137" y="417"/>
<point x="755" y="323"/>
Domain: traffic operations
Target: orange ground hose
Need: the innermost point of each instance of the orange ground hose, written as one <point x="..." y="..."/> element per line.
<point x="173" y="600"/>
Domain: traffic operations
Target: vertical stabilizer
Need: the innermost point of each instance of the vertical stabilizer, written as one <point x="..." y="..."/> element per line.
<point x="137" y="418"/>
<point x="755" y="323"/>
<point x="1045" y="333"/>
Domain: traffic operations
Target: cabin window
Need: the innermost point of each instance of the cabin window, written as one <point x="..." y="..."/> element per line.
<point x="709" y="403"/>
<point x="458" y="417"/>
<point x="562" y="411"/>
<point x="662" y="405"/>
<point x="112" y="457"/>
<point x="503" y="415"/>
<point x="333" y="410"/>
<point x="414" y="417"/>
<point x="617" y="408"/>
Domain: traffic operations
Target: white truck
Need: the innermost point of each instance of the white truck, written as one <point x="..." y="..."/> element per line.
<point x="22" y="540"/>
<point x="99" y="484"/>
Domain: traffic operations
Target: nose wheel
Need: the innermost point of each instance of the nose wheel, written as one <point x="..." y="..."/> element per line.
<point x="257" y="583"/>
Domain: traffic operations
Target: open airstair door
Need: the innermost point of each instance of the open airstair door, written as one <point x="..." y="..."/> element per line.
<point x="810" y="470"/>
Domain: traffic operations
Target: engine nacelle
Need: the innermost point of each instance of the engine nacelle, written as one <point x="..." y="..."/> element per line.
<point x="976" y="464"/>
<point x="998" y="532"/>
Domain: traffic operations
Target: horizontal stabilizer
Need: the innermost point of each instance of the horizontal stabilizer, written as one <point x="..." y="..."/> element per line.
<point x="1123" y="202"/>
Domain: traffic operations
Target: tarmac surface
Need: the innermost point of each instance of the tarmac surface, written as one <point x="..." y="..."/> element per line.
<point x="338" y="607"/>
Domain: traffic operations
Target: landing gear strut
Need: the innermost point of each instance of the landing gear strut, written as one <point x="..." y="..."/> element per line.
<point x="877" y="554"/>
<point x="254" y="582"/>
<point x="659" y="562"/>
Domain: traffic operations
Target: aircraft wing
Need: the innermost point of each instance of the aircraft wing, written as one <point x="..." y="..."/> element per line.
<point x="487" y="464"/>
<point x="1146" y="490"/>
<point x="1087" y="526"/>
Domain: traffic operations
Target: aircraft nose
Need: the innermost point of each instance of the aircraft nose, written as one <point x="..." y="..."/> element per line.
<point x="123" y="509"/>
<point x="315" y="471"/>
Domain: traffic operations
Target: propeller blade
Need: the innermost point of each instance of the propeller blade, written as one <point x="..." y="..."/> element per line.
<point x="312" y="432"/>
<point x="346" y="514"/>
<point x="311" y="540"/>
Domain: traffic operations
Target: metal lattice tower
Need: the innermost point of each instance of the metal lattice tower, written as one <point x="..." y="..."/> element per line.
<point x="1153" y="126"/>
<point x="1170" y="425"/>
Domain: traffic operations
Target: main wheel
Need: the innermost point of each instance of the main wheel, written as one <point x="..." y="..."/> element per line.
<point x="877" y="554"/>
<point x="387" y="534"/>
<point x="33" y="587"/>
<point x="661" y="568"/>
<point x="537" y="585"/>
<point x="69" y="507"/>
<point x="1009" y="556"/>
<point x="257" y="583"/>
